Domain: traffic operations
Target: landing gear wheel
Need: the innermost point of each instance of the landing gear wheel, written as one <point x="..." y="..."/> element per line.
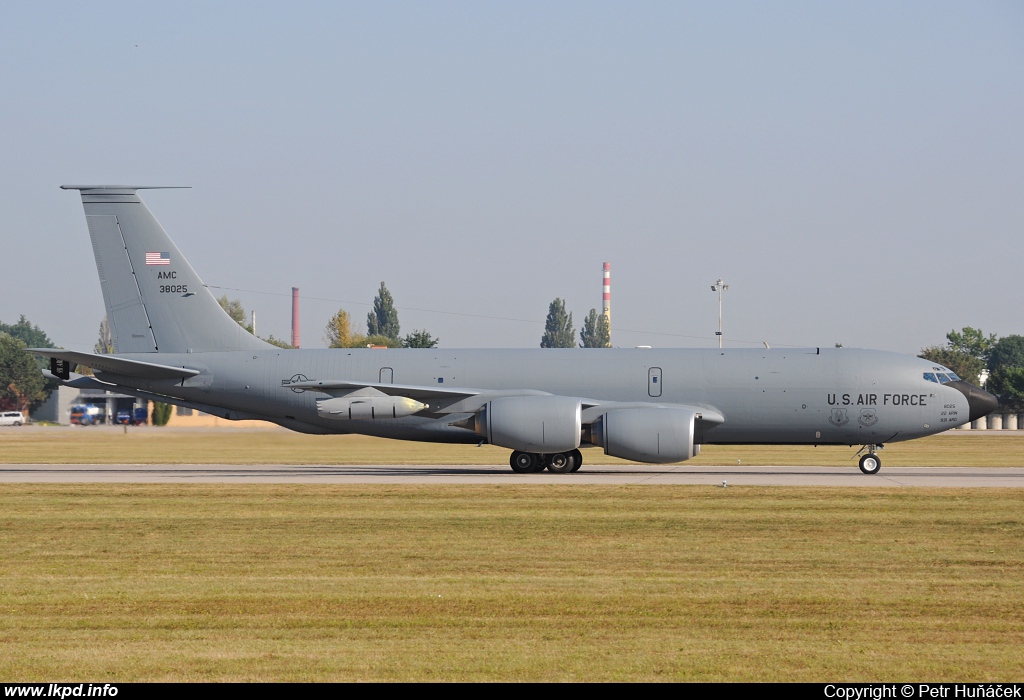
<point x="577" y="460"/>
<point x="561" y="463"/>
<point x="870" y="464"/>
<point x="523" y="462"/>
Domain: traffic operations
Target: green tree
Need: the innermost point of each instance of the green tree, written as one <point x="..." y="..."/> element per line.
<point x="338" y="333"/>
<point x="105" y="343"/>
<point x="1006" y="372"/>
<point x="1007" y="382"/>
<point x="971" y="341"/>
<point x="420" y="339"/>
<point x="967" y="367"/>
<point x="379" y="341"/>
<point x="595" y="332"/>
<point x="558" y="329"/>
<point x="21" y="384"/>
<point x="234" y="309"/>
<point x="277" y="342"/>
<point x="383" y="320"/>
<point x="23" y="330"/>
<point x="1007" y="352"/>
<point x="161" y="413"/>
<point x="33" y="337"/>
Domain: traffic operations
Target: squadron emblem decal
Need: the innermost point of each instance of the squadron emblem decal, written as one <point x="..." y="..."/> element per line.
<point x="295" y="379"/>
<point x="868" y="417"/>
<point x="839" y="417"/>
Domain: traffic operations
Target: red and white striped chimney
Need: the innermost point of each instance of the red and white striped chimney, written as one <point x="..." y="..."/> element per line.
<point x="295" y="317"/>
<point x="606" y="293"/>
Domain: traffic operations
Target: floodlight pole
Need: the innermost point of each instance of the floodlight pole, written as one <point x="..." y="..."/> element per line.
<point x="719" y="287"/>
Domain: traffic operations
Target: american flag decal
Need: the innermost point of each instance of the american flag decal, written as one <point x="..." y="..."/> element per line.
<point x="158" y="258"/>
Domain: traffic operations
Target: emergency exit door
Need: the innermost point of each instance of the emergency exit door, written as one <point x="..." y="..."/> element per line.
<point x="654" y="381"/>
<point x="387" y="375"/>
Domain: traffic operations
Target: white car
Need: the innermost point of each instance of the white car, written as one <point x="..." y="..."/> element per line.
<point x="12" y="418"/>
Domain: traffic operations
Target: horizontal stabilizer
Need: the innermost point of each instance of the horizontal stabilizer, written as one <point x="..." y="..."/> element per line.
<point x="112" y="364"/>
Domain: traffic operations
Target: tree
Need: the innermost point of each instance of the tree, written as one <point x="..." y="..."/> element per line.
<point x="1007" y="382"/>
<point x="277" y="342"/>
<point x="234" y="309"/>
<point x="558" y="329"/>
<point x="595" y="332"/>
<point x="1006" y="366"/>
<point x="420" y="339"/>
<point x="338" y="333"/>
<point x="33" y="337"/>
<point x="21" y="384"/>
<point x="967" y="367"/>
<point x="383" y="320"/>
<point x="378" y="341"/>
<point x="161" y="413"/>
<point x="105" y="343"/>
<point x="971" y="341"/>
<point x="1007" y="352"/>
<point x="23" y="330"/>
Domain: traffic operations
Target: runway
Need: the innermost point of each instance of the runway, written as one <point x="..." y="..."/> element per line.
<point x="950" y="477"/>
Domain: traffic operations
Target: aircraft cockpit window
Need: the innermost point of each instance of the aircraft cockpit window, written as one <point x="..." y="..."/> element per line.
<point x="954" y="377"/>
<point x="943" y="378"/>
<point x="930" y="376"/>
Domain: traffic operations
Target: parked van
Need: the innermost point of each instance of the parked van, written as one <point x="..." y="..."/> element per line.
<point x="12" y="418"/>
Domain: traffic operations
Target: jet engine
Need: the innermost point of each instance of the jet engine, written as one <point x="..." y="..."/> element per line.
<point x="542" y="424"/>
<point x="653" y="435"/>
<point x="367" y="407"/>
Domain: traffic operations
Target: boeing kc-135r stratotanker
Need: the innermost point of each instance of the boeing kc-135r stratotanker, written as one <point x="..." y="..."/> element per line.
<point x="173" y="343"/>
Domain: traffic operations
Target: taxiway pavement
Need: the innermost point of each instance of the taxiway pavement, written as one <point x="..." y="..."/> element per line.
<point x="958" y="477"/>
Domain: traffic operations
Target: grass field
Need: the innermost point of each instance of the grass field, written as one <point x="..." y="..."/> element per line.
<point x="328" y="582"/>
<point x="147" y="445"/>
<point x="289" y="582"/>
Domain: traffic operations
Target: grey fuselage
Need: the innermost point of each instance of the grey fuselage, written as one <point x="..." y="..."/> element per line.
<point x="791" y="396"/>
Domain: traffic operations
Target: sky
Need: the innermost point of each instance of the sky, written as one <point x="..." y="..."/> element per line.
<point x="853" y="171"/>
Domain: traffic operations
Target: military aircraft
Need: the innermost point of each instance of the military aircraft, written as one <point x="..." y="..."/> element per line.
<point x="173" y="343"/>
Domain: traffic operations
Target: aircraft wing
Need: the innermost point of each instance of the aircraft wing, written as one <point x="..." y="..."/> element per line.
<point x="112" y="364"/>
<point x="468" y="400"/>
<point x="338" y="387"/>
<point x="438" y="399"/>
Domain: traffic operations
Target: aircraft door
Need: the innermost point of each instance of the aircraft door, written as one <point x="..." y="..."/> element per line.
<point x="654" y="381"/>
<point x="387" y="375"/>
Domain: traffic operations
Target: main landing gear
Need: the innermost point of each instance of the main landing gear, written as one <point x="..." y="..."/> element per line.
<point x="558" y="463"/>
<point x="871" y="462"/>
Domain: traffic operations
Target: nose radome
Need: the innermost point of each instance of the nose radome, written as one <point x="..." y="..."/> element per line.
<point x="980" y="401"/>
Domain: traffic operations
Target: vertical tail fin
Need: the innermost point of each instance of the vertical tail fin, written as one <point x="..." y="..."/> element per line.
<point x="155" y="300"/>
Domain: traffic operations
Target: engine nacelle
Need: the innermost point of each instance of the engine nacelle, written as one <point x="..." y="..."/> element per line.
<point x="544" y="424"/>
<point x="653" y="435"/>
<point x="367" y="407"/>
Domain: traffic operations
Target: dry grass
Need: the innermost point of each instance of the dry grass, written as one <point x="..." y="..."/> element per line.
<point x="97" y="445"/>
<point x="294" y="582"/>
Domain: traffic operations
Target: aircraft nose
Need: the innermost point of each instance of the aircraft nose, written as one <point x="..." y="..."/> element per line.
<point x="980" y="401"/>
